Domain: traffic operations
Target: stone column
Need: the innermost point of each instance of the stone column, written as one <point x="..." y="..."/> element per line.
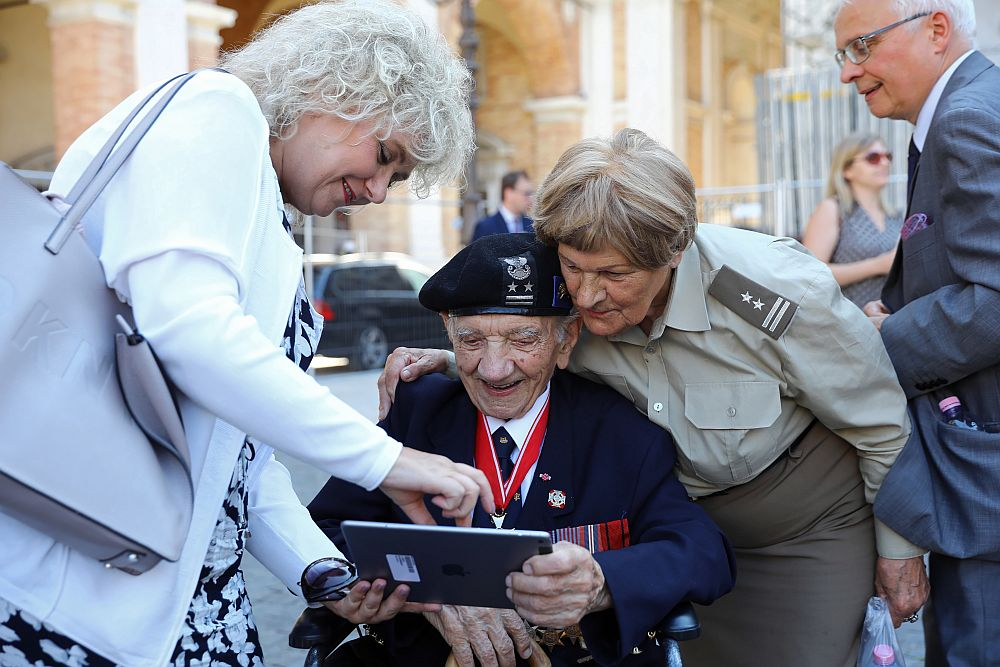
<point x="204" y="21"/>
<point x="558" y="124"/>
<point x="427" y="220"/>
<point x="597" y="51"/>
<point x="712" y="85"/>
<point x="93" y="62"/>
<point x="655" y="93"/>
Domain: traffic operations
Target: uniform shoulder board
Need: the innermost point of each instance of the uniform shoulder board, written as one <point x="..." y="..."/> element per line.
<point x="769" y="312"/>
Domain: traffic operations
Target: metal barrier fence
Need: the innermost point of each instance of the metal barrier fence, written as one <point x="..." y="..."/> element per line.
<point x="801" y="115"/>
<point x="780" y="209"/>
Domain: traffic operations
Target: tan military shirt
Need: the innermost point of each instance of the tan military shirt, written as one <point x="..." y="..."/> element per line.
<point x="756" y="341"/>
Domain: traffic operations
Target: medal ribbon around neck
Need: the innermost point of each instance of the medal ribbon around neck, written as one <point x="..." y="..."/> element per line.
<point x="527" y="456"/>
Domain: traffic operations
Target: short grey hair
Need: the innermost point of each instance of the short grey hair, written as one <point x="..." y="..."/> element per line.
<point x="961" y="12"/>
<point x="627" y="192"/>
<point x="365" y="61"/>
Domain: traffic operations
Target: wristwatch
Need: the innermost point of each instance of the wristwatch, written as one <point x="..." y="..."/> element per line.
<point x="328" y="579"/>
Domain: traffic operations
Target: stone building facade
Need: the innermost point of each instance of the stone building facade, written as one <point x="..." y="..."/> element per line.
<point x="551" y="72"/>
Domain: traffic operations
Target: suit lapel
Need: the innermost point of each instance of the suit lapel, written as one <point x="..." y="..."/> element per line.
<point x="971" y="67"/>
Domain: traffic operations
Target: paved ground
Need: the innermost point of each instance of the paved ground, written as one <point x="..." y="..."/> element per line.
<point x="276" y="609"/>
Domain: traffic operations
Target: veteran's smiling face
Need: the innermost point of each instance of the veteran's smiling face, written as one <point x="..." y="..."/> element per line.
<point x="505" y="361"/>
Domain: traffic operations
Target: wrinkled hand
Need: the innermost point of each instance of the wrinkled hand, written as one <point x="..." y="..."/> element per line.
<point x="556" y="590"/>
<point x="366" y="603"/>
<point x="903" y="584"/>
<point x="407" y="364"/>
<point x="491" y="635"/>
<point x="455" y="487"/>
<point x="876" y="312"/>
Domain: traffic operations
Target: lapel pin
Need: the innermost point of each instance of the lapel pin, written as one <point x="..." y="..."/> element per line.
<point x="557" y="499"/>
<point x="544" y="476"/>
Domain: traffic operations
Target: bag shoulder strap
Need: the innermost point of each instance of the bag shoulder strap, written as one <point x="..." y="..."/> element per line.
<point x="106" y="164"/>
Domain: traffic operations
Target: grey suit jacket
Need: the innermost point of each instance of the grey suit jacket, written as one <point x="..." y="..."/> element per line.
<point x="943" y="336"/>
<point x="944" y="287"/>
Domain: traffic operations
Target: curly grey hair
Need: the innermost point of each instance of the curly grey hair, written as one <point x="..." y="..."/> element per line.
<point x="365" y="61"/>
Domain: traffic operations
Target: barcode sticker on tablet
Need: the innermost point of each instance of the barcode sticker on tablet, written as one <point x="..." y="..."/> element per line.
<point x="403" y="567"/>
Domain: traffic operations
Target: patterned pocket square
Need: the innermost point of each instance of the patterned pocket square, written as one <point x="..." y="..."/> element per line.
<point x="914" y="224"/>
<point x="596" y="537"/>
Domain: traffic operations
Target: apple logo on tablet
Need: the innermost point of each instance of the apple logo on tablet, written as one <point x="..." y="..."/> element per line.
<point x="454" y="570"/>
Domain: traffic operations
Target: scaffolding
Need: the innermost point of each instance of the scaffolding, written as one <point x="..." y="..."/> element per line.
<point x="801" y="116"/>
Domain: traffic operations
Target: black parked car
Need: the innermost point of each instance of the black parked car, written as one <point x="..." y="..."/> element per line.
<point x="369" y="303"/>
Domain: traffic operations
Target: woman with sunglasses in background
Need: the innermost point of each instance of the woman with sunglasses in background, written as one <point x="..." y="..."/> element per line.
<point x="852" y="230"/>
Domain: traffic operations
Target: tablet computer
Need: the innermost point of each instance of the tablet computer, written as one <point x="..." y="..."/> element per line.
<point x="460" y="566"/>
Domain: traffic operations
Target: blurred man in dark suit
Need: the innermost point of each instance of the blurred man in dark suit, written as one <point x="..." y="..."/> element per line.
<point x="517" y="198"/>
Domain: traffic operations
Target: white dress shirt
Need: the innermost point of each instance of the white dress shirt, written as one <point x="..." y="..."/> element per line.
<point x="518" y="429"/>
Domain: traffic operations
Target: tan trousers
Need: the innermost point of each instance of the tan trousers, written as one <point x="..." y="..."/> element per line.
<point x="805" y="555"/>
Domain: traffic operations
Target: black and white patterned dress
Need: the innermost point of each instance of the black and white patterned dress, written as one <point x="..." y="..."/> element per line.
<point x="218" y="628"/>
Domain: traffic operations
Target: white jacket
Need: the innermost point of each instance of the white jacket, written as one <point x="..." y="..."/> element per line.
<point x="190" y="234"/>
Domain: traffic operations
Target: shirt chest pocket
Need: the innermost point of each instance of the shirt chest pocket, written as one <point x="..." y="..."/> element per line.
<point x="721" y="417"/>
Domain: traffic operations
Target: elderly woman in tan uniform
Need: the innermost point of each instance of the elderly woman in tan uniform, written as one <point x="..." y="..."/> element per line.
<point x="778" y="392"/>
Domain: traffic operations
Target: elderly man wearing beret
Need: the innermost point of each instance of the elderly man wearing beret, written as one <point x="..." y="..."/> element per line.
<point x="563" y="455"/>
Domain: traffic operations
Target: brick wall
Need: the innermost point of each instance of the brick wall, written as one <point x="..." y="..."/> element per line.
<point x="92" y="71"/>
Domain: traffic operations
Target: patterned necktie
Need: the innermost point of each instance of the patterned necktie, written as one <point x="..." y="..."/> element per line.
<point x="912" y="158"/>
<point x="504" y="446"/>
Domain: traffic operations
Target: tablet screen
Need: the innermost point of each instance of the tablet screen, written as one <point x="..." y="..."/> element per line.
<point x="444" y="564"/>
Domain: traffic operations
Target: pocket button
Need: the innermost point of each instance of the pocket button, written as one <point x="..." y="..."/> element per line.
<point x="731" y="411"/>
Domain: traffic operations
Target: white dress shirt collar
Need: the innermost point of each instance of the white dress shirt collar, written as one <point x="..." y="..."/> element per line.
<point x="513" y="222"/>
<point x="518" y="429"/>
<point x="926" y="114"/>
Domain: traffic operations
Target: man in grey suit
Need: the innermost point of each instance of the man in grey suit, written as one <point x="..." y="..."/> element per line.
<point x="940" y="310"/>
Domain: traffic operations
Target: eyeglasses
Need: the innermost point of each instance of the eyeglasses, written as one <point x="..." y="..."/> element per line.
<point x="875" y="158"/>
<point x="327" y="579"/>
<point x="858" y="50"/>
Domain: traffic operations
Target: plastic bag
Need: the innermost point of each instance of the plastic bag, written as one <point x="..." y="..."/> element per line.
<point x="879" y="647"/>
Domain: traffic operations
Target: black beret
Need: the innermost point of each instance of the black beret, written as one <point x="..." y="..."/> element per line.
<point x="501" y="273"/>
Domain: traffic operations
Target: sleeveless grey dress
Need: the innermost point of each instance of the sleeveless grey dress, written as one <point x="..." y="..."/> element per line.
<point x="861" y="239"/>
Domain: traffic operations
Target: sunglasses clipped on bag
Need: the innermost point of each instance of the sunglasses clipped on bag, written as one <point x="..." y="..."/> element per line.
<point x="875" y="158"/>
<point x="328" y="579"/>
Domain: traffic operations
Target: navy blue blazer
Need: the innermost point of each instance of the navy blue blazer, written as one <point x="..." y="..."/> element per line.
<point x="611" y="463"/>
<point x="495" y="224"/>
